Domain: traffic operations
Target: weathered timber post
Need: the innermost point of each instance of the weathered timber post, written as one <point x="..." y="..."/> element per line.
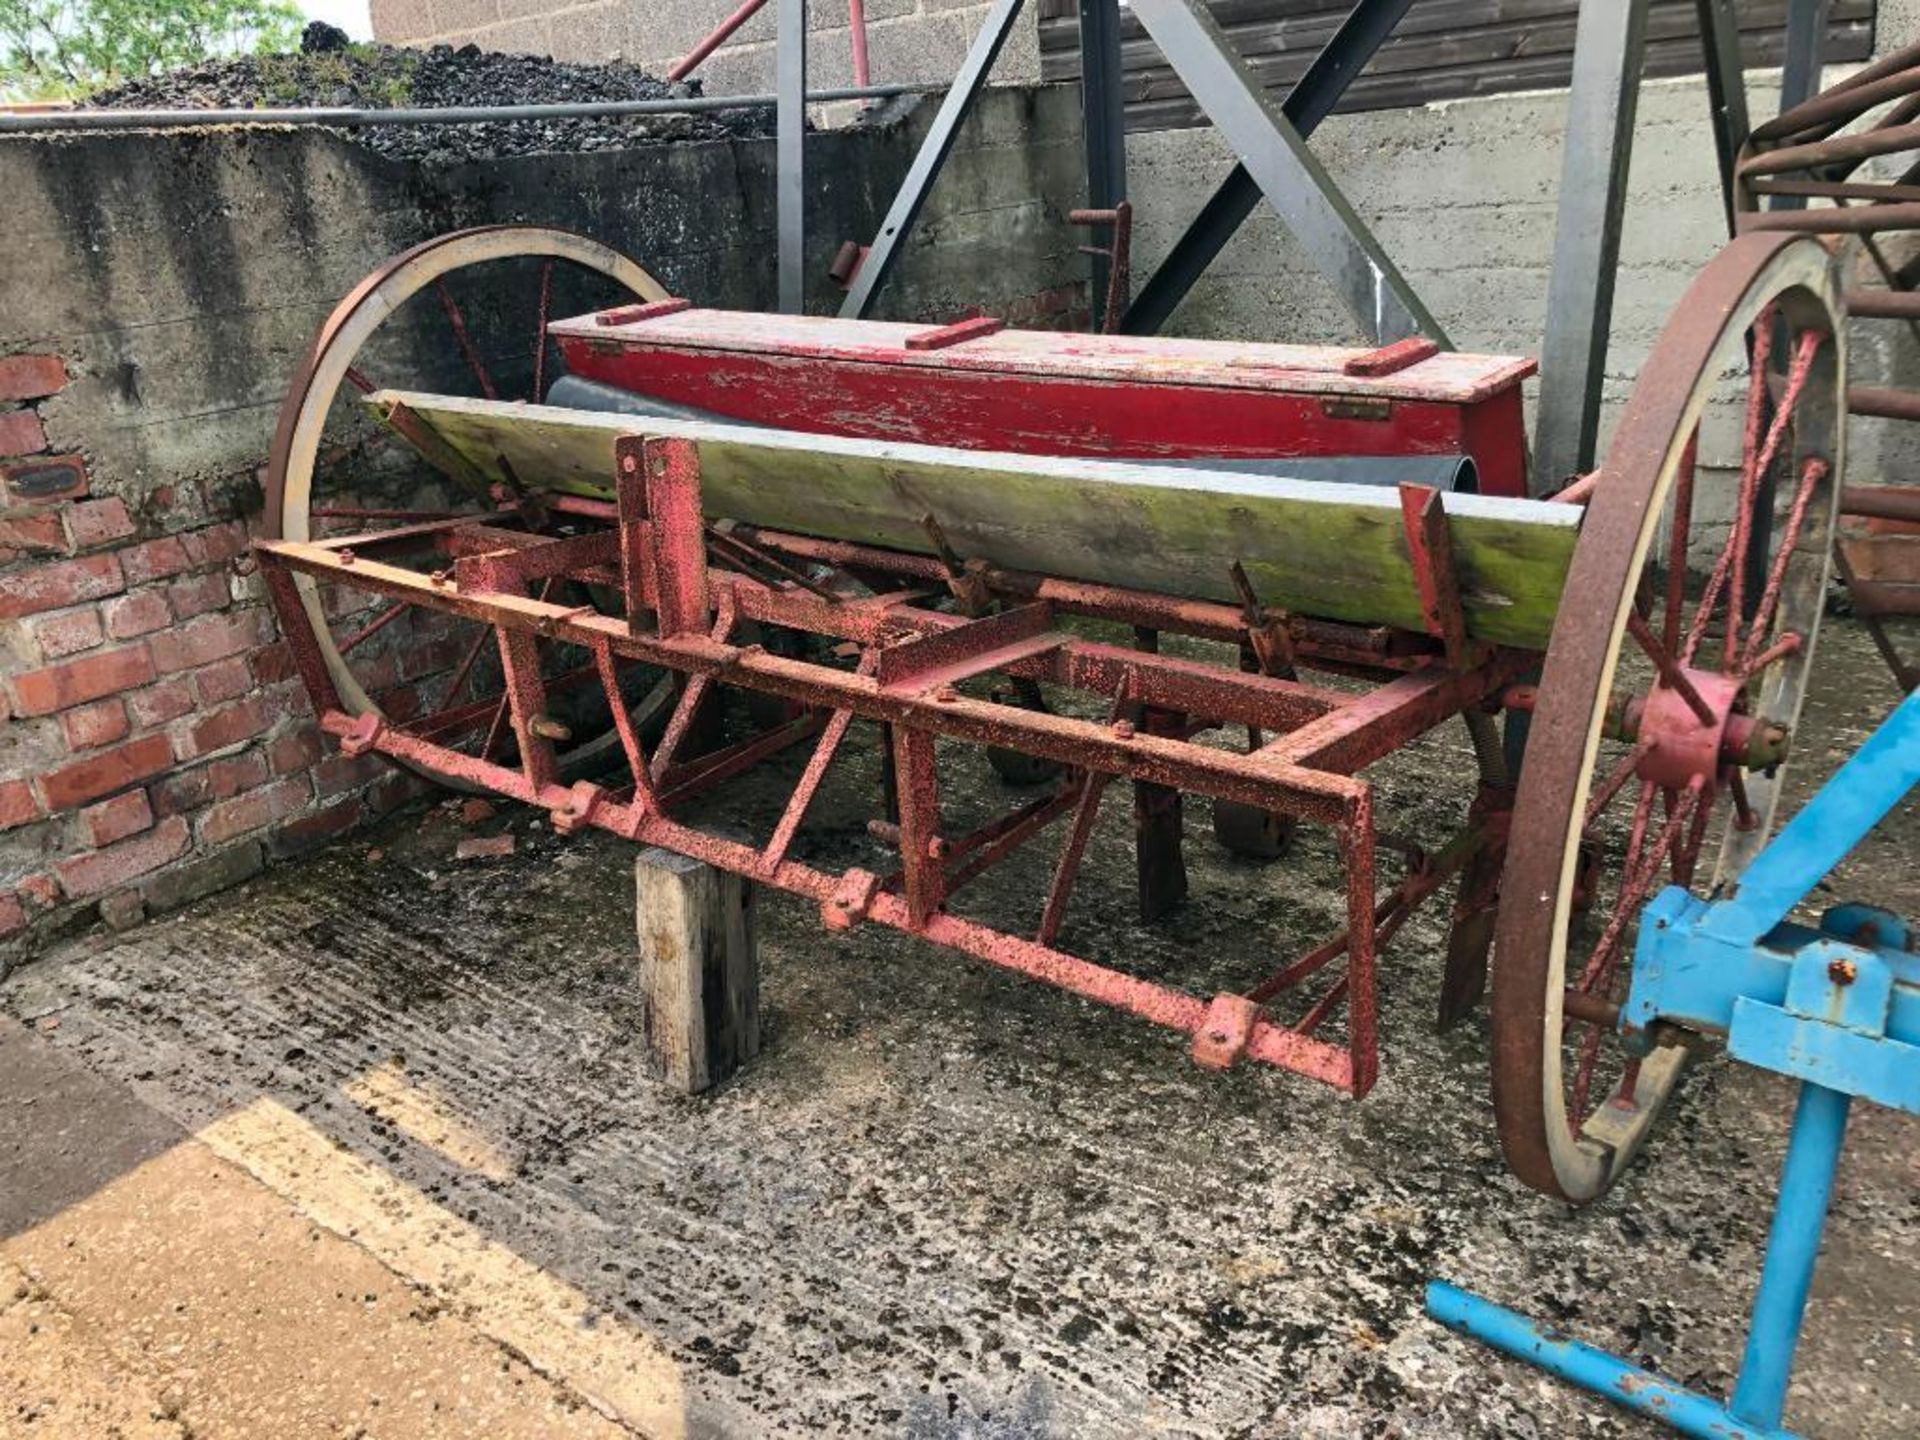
<point x="698" y="966"/>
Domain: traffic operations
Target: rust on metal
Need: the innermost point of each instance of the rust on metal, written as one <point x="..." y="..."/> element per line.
<point x="1390" y="359"/>
<point x="637" y="314"/>
<point x="977" y="327"/>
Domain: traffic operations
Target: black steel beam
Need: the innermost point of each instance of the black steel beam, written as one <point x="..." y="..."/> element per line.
<point x="1310" y="101"/>
<point x="1726" y="90"/>
<point x="1104" y="119"/>
<point x="1609" y="43"/>
<point x="927" y="165"/>
<point x="1800" y="74"/>
<point x="1294" y="183"/>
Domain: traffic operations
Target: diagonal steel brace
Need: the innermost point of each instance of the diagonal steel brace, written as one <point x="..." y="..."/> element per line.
<point x="1295" y="184"/>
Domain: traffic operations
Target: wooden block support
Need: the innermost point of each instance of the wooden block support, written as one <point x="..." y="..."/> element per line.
<point x="698" y="967"/>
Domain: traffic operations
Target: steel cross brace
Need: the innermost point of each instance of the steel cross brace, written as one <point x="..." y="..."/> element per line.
<point x="1726" y="90"/>
<point x="1310" y="101"/>
<point x="1837" y="1008"/>
<point x="1293" y="181"/>
<point x="931" y="158"/>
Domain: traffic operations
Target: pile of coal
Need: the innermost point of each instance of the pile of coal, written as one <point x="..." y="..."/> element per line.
<point x="330" y="70"/>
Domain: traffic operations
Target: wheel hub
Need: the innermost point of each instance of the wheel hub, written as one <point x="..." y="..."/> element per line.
<point x="1687" y="744"/>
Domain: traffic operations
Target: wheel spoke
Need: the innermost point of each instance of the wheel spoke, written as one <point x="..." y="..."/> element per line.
<point x="496" y="729"/>
<point x="1686" y="855"/>
<point x="463" y="670"/>
<point x="1709" y="598"/>
<point x="1670" y="674"/>
<point x="540" y="333"/>
<point x="459" y="323"/>
<point x="1637" y="877"/>
<point x="1678" y="538"/>
<point x="1787" y="644"/>
<point x="1758" y="458"/>
<point x="1583" y="1076"/>
<point x="1743" y="816"/>
<point x="1811" y="474"/>
<point x="1803" y="352"/>
<point x="1611" y="786"/>
<point x="359" y="637"/>
<point x="1597" y="962"/>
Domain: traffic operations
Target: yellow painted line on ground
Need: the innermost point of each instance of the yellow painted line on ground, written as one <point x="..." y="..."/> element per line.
<point x="186" y="1298"/>
<point x="390" y="1094"/>
<point x="621" y="1371"/>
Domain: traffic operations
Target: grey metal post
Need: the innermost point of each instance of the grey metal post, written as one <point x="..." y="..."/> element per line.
<point x="1726" y="89"/>
<point x="790" y="63"/>
<point x="1104" y="119"/>
<point x="1608" y="44"/>
<point x="926" y="167"/>
<point x="1294" y="182"/>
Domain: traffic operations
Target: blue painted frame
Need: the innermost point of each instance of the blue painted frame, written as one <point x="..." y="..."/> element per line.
<point x="1837" y="1008"/>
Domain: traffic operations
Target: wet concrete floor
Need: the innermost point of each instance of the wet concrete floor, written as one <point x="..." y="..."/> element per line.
<point x="380" y="1124"/>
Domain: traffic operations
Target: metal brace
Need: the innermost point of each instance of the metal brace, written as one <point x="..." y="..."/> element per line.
<point x="964" y="578"/>
<point x="1269" y="632"/>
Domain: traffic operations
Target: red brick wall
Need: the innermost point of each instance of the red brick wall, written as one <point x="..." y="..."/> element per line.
<point x="157" y="744"/>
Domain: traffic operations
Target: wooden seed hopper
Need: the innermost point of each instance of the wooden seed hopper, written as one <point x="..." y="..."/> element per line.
<point x="971" y="536"/>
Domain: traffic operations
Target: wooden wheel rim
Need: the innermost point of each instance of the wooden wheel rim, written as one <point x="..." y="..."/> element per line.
<point x="316" y="385"/>
<point x="1635" y="483"/>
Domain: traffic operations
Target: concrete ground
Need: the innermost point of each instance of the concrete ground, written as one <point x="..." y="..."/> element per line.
<point x="366" y="1148"/>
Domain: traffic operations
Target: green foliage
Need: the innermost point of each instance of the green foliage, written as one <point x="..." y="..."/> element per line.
<point x="53" y="49"/>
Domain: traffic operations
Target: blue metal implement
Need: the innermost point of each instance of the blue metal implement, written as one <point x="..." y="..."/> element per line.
<point x="1837" y="1008"/>
<point x="1621" y="1382"/>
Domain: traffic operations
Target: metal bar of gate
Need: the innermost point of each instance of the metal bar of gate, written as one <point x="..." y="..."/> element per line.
<point x="1310" y="101"/>
<point x="1293" y="181"/>
<point x="926" y="167"/>
<point x="1800" y="75"/>
<point x="790" y="183"/>
<point x="1104" y="118"/>
<point x="1726" y="90"/>
<point x="715" y="38"/>
<point x="1609" y="42"/>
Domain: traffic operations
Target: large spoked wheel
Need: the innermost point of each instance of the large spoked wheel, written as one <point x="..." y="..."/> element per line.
<point x="463" y="314"/>
<point x="1671" y="688"/>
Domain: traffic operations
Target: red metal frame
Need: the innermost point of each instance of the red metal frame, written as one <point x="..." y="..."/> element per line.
<point x="893" y="657"/>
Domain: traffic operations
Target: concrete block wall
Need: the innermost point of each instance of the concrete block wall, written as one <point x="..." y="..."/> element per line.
<point x="907" y="40"/>
<point x="154" y="744"/>
<point x="1463" y="195"/>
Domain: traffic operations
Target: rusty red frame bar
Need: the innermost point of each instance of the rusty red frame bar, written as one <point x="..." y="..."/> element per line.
<point x="912" y="661"/>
